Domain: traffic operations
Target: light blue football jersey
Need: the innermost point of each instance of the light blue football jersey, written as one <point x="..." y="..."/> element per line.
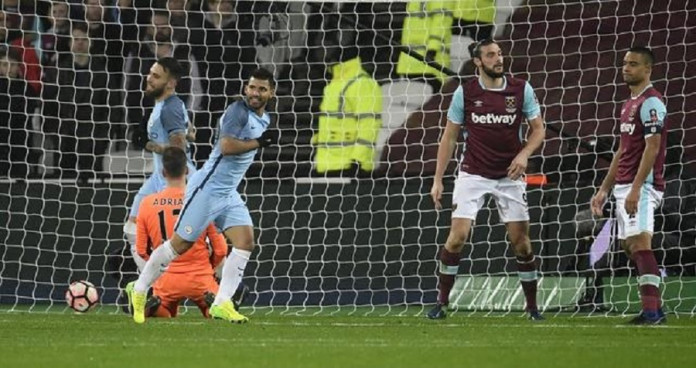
<point x="168" y="117"/>
<point x="222" y="174"/>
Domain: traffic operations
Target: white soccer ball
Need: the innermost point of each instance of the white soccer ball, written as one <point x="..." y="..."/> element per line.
<point x="82" y="296"/>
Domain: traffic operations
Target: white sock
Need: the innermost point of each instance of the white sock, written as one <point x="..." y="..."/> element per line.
<point x="155" y="266"/>
<point x="139" y="261"/>
<point x="232" y="273"/>
<point x="129" y="231"/>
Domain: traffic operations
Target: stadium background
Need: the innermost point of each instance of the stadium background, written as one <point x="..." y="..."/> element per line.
<point x="374" y="240"/>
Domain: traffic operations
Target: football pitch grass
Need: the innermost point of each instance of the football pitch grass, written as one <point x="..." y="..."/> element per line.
<point x="348" y="338"/>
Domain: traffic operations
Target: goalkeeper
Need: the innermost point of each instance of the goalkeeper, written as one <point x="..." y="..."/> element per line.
<point x="191" y="275"/>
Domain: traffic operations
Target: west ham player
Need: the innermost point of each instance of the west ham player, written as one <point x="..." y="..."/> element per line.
<point x="166" y="127"/>
<point x="491" y="109"/>
<point x="636" y="174"/>
<point x="211" y="196"/>
<point x="191" y="275"/>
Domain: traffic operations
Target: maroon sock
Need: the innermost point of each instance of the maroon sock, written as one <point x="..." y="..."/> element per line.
<point x="449" y="266"/>
<point x="649" y="279"/>
<point x="526" y="268"/>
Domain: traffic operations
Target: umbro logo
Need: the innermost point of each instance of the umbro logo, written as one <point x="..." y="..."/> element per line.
<point x="478" y="103"/>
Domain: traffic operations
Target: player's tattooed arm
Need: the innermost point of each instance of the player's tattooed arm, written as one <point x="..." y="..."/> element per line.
<point x="176" y="140"/>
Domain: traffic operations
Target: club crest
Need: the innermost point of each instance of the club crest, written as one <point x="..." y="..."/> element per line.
<point x="510" y="104"/>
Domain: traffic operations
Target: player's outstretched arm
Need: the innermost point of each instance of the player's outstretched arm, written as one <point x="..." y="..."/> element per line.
<point x="444" y="153"/>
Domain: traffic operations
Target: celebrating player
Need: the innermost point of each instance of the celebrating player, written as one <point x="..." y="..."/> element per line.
<point x="211" y="196"/>
<point x="166" y="127"/>
<point x="191" y="275"/>
<point x="636" y="174"/>
<point x="492" y="108"/>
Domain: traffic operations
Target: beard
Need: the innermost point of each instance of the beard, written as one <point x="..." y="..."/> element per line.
<point x="492" y="73"/>
<point x="155" y="92"/>
<point x="632" y="81"/>
<point x="256" y="103"/>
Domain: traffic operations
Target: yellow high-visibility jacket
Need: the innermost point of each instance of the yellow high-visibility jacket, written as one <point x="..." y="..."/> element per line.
<point x="428" y="26"/>
<point x="479" y="11"/>
<point x="350" y="119"/>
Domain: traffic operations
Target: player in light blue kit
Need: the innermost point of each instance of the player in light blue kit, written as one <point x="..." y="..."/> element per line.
<point x="211" y="196"/>
<point x="167" y="126"/>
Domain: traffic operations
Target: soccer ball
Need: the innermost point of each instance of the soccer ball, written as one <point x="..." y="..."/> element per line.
<point x="82" y="296"/>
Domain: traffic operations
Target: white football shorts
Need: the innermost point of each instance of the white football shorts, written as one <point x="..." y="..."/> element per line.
<point x="510" y="197"/>
<point x="644" y="220"/>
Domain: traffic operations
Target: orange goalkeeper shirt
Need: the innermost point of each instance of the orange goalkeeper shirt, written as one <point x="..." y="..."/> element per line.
<point x="156" y="218"/>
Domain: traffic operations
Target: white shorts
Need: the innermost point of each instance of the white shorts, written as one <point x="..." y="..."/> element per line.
<point x="470" y="191"/>
<point x="644" y="220"/>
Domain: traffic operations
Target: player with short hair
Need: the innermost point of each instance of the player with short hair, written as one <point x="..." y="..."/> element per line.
<point x="636" y="174"/>
<point x="212" y="196"/>
<point x="491" y="109"/>
<point x="167" y="126"/>
<point x="191" y="275"/>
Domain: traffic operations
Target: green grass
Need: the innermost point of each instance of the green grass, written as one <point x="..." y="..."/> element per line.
<point x="285" y="338"/>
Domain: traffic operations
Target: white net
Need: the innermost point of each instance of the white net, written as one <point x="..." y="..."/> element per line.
<point x="71" y="101"/>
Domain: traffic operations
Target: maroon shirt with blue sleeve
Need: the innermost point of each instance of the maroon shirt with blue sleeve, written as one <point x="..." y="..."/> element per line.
<point x="642" y="117"/>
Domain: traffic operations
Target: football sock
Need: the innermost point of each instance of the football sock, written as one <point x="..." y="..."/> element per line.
<point x="649" y="279"/>
<point x="130" y="233"/>
<point x="232" y="273"/>
<point x="160" y="258"/>
<point x="449" y="267"/>
<point x="526" y="270"/>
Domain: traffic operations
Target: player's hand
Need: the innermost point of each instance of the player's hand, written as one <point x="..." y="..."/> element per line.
<point x="191" y="133"/>
<point x="518" y="166"/>
<point x="139" y="137"/>
<point x="269" y="137"/>
<point x="597" y="202"/>
<point x="631" y="204"/>
<point x="436" y="193"/>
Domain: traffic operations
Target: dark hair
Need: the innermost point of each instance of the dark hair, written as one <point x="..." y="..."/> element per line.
<point x="79" y="26"/>
<point x="475" y="48"/>
<point x="264" y="74"/>
<point x="174" y="162"/>
<point x="648" y="55"/>
<point x="172" y="66"/>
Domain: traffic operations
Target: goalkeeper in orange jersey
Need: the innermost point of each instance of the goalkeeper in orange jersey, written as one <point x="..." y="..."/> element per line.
<point x="190" y="276"/>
